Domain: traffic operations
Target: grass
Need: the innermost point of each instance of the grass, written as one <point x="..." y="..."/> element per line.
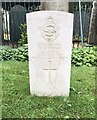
<point x="17" y="102"/>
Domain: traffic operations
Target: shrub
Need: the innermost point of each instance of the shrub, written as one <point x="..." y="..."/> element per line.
<point x="20" y="54"/>
<point x="86" y="56"/>
<point x="23" y="39"/>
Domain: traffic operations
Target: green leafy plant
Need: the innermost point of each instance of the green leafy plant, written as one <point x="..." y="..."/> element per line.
<point x="23" y="39"/>
<point x="20" y="54"/>
<point x="86" y="56"/>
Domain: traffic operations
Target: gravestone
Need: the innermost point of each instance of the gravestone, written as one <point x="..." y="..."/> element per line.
<point x="17" y="17"/>
<point x="49" y="46"/>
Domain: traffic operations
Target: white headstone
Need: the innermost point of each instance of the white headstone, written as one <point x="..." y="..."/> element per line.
<point x="50" y="45"/>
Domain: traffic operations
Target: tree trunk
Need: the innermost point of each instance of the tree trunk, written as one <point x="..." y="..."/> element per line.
<point x="58" y="5"/>
<point x="0" y="23"/>
<point x="92" y="39"/>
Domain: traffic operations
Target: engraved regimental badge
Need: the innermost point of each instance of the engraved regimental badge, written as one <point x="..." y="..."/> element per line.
<point x="50" y="30"/>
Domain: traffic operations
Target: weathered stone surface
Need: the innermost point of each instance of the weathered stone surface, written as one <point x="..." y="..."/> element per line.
<point x="50" y="44"/>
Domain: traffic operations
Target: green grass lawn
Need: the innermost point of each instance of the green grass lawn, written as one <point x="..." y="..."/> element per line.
<point x="17" y="102"/>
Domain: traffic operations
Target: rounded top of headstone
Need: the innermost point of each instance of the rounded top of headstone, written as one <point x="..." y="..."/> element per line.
<point x="94" y="4"/>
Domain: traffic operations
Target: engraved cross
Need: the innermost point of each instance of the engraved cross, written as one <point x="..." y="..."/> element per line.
<point x="50" y="69"/>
